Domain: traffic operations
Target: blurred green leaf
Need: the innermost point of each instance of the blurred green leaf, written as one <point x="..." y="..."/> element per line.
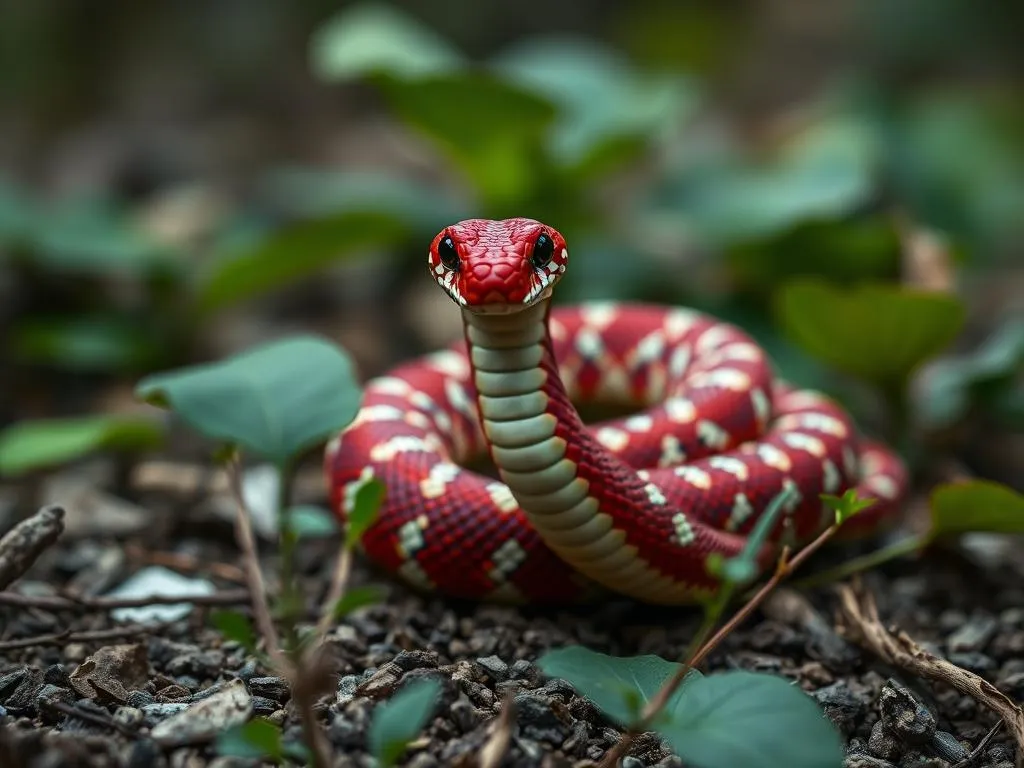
<point x="97" y="342"/>
<point x="16" y="213"/>
<point x="396" y="722"/>
<point x="823" y="173"/>
<point x="235" y="626"/>
<point x="311" y="193"/>
<point x="274" y="400"/>
<point x="620" y="686"/>
<point x="309" y="522"/>
<point x="880" y="333"/>
<point x="369" y="38"/>
<point x="258" y="738"/>
<point x="95" y="236"/>
<point x="356" y="598"/>
<point x="36" y="444"/>
<point x="958" y="168"/>
<point x="750" y="719"/>
<point x="953" y="384"/>
<point x="745" y="567"/>
<point x="365" y="508"/>
<point x="293" y="252"/>
<point x="602" y="102"/>
<point x="491" y="129"/>
<point x="976" y="506"/>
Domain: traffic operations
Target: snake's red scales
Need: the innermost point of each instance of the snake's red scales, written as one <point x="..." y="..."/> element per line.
<point x="635" y="504"/>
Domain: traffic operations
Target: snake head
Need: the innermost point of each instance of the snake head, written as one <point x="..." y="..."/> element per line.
<point x="497" y="266"/>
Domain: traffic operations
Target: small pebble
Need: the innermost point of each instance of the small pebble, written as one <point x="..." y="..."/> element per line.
<point x="904" y="715"/>
<point x="973" y="635"/>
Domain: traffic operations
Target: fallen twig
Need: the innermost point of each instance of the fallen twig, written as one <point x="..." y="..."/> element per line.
<point x="91" y="717"/>
<point x="81" y="604"/>
<point x="493" y="751"/>
<point x="860" y="622"/>
<point x="981" y="745"/>
<point x="27" y="540"/>
<point x="67" y="636"/>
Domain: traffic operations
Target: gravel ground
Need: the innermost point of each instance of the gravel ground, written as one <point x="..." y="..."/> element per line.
<point x="80" y="689"/>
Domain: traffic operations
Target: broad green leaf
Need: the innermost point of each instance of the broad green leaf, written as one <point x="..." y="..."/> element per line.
<point x="601" y="99"/>
<point x="235" y="626"/>
<point x="364" y="512"/>
<point x="308" y="521"/>
<point x="620" y="687"/>
<point x="878" y="332"/>
<point x="749" y="719"/>
<point x="85" y="342"/>
<point x="36" y="444"/>
<point x="275" y="400"/>
<point x="492" y="130"/>
<point x="397" y="722"/>
<point x="976" y="506"/>
<point x="258" y="738"/>
<point x="374" y="38"/>
<point x="356" y="598"/>
<point x="847" y="505"/>
<point x="294" y="252"/>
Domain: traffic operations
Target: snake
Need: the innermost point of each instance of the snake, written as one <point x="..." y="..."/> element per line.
<point x="559" y="510"/>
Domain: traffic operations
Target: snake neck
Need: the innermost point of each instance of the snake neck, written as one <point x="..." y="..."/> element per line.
<point x="579" y="498"/>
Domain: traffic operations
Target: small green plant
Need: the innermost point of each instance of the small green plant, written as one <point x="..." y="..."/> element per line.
<point x="732" y="718"/>
<point x="396" y="722"/>
<point x="276" y="402"/>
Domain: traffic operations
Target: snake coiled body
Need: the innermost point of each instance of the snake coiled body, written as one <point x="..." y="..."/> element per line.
<point x="633" y="504"/>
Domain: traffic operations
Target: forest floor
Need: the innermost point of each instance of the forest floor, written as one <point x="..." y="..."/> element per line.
<point x="100" y="681"/>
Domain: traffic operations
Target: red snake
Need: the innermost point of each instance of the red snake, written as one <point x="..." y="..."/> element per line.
<point x="634" y="504"/>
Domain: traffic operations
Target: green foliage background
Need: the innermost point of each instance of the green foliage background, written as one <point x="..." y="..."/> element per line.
<point x="170" y="172"/>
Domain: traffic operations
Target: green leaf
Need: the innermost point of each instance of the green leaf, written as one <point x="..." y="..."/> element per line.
<point x="258" y="738"/>
<point x="236" y="626"/>
<point x="356" y="598"/>
<point x="397" y="722"/>
<point x="102" y="342"/>
<point x="94" y="236"/>
<point x="36" y="444"/>
<point x="293" y="252"/>
<point x="744" y="567"/>
<point x="370" y="38"/>
<point x="364" y="512"/>
<point x="821" y="174"/>
<point x="880" y="333"/>
<point x="601" y="99"/>
<point x="495" y="143"/>
<point x="953" y="384"/>
<point x="620" y="687"/>
<point x="308" y="193"/>
<point x="749" y="719"/>
<point x="975" y="506"/>
<point x="274" y="400"/>
<point x="308" y="521"/>
<point x="847" y="505"/>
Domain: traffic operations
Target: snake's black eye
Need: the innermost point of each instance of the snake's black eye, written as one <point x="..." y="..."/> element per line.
<point x="447" y="254"/>
<point x="543" y="250"/>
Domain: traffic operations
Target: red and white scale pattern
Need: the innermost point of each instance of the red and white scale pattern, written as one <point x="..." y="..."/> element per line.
<point x="715" y="438"/>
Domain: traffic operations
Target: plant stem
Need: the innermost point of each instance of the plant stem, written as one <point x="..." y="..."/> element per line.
<point x="257" y="589"/>
<point x="290" y="595"/>
<point x="698" y="649"/>
<point x="908" y="546"/>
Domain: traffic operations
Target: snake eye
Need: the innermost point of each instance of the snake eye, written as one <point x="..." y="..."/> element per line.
<point x="447" y="254"/>
<point x="543" y="250"/>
